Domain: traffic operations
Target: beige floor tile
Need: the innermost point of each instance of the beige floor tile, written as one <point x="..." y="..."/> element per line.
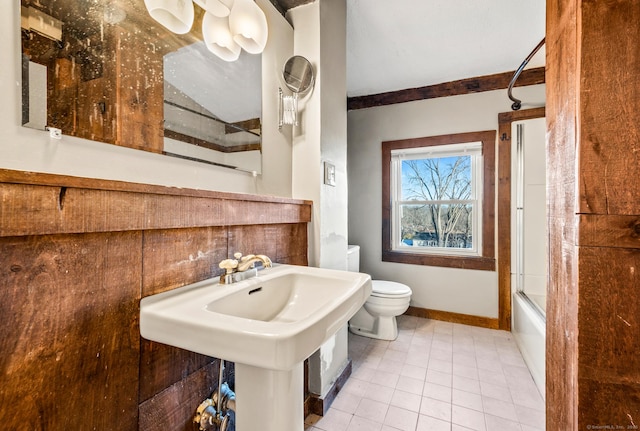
<point x="437" y="376"/>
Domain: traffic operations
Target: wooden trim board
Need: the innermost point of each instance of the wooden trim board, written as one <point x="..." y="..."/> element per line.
<point x="447" y="316"/>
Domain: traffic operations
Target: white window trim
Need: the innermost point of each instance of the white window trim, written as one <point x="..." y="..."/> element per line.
<point x="473" y="149"/>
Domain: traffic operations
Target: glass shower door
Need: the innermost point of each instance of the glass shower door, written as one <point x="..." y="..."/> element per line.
<point x="529" y="219"/>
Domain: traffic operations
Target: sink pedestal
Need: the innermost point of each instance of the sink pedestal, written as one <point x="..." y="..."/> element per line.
<point x="269" y="400"/>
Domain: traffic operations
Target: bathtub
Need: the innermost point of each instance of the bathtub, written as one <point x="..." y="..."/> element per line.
<point x="528" y="328"/>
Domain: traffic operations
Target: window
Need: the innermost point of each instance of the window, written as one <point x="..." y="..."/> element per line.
<point x="438" y="200"/>
<point x="435" y="195"/>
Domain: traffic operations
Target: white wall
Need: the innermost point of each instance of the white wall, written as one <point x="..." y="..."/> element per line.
<point x="455" y="290"/>
<point x="322" y="137"/>
<point x="30" y="150"/>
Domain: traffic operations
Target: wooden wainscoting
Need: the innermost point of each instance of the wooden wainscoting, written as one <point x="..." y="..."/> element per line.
<point x="76" y="257"/>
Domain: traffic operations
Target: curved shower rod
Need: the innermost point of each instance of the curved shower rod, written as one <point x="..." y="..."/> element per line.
<point x="517" y="103"/>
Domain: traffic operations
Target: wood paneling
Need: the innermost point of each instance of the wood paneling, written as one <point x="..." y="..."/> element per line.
<point x="609" y="103"/>
<point x="163" y="366"/>
<point x="9" y="176"/>
<point x="609" y="331"/>
<point x="284" y="243"/>
<point x="562" y="300"/>
<point x="74" y="210"/>
<point x="27" y="209"/>
<point x="592" y="378"/>
<point x="609" y="231"/>
<point x="505" y="121"/>
<point x="454" y="88"/>
<point x="174" y="408"/>
<point x="69" y="337"/>
<point x="76" y="256"/>
<point x="195" y="254"/>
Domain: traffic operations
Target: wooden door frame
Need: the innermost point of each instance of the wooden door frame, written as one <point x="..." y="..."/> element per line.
<point x="505" y="120"/>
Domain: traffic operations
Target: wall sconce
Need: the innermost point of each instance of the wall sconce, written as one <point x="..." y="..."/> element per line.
<point x="299" y="78"/>
<point x="228" y="25"/>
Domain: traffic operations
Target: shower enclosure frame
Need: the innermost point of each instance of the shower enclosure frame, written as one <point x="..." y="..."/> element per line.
<point x="505" y="121"/>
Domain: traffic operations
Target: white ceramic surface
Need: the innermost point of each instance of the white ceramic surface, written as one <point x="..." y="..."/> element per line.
<point x="273" y="321"/>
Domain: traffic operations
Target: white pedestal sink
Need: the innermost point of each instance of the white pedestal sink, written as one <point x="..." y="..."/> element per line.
<point x="267" y="325"/>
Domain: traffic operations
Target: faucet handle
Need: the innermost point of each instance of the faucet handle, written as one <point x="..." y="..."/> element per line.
<point x="229" y="265"/>
<point x="237" y="255"/>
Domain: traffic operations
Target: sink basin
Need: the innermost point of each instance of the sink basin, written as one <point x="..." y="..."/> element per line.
<point x="268" y="325"/>
<point x="273" y="321"/>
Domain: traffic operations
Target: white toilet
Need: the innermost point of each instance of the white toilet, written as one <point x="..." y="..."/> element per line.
<point x="377" y="317"/>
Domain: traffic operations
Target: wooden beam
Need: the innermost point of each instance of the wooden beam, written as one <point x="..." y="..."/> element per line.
<point x="243" y="126"/>
<point x="454" y="88"/>
<point x="284" y="5"/>
<point x="210" y="145"/>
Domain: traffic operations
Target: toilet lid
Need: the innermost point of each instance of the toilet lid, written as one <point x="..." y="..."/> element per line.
<point x="389" y="288"/>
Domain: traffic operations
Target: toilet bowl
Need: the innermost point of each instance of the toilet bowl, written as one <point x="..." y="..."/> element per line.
<point x="388" y="299"/>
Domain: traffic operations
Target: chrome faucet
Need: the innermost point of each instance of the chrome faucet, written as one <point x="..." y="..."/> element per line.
<point x="242" y="267"/>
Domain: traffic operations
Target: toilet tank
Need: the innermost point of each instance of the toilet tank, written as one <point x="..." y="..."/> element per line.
<point x="353" y="258"/>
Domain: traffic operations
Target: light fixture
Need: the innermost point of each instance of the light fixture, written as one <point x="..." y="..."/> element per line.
<point x="248" y="25"/>
<point x="218" y="39"/>
<point x="220" y="8"/>
<point x="228" y="26"/>
<point x="176" y="15"/>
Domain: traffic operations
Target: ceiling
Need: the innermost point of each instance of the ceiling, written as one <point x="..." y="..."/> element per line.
<point x="400" y="44"/>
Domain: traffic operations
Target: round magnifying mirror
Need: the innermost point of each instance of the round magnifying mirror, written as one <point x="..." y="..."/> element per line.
<point x="298" y="74"/>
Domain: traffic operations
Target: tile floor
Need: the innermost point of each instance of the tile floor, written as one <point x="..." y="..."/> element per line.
<point x="435" y="376"/>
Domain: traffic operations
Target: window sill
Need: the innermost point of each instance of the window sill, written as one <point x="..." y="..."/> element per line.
<point x="463" y="262"/>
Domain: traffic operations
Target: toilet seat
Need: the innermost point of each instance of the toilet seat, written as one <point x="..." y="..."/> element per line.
<point x="389" y="289"/>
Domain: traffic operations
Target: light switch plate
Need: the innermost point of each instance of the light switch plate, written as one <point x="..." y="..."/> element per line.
<point x="329" y="174"/>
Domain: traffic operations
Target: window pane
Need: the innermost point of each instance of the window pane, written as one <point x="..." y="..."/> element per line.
<point x="438" y="178"/>
<point x="437" y="225"/>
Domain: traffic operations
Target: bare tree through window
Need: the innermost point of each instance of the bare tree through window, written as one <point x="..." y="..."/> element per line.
<point x="437" y="204"/>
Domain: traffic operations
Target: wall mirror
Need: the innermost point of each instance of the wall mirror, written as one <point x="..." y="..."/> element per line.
<point x="104" y="70"/>
<point x="298" y="74"/>
<point x="299" y="78"/>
